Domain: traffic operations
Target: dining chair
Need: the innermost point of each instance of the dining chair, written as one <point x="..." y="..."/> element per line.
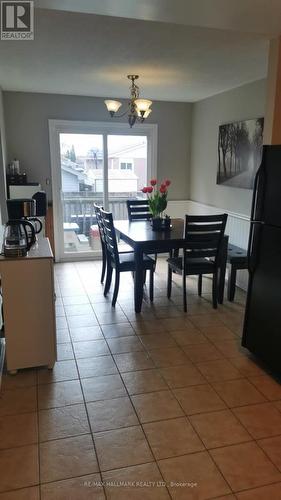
<point x="203" y="237"/>
<point x="102" y="240"/>
<point x="138" y="210"/>
<point x="121" y="262"/>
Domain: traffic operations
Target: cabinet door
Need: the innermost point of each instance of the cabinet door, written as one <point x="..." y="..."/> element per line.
<point x="29" y="313"/>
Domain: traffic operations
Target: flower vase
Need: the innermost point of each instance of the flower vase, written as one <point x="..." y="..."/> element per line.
<point x="156" y="223"/>
<point x="161" y="224"/>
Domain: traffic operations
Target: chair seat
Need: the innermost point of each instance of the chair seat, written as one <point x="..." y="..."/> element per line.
<point x="127" y="262"/>
<point x="194" y="266"/>
<point x="237" y="256"/>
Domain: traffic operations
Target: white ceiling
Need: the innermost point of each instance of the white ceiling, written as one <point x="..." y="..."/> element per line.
<point x="84" y="54"/>
<point x="257" y="16"/>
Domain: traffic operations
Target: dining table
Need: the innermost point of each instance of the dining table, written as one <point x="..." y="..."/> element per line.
<point x="144" y="240"/>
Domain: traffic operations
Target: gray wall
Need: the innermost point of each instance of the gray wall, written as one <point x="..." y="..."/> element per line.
<point x="243" y="102"/>
<point x="27" y="114"/>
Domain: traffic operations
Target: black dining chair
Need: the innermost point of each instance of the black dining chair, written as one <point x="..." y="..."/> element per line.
<point x="125" y="248"/>
<point x="203" y="237"/>
<point x="138" y="210"/>
<point x="97" y="209"/>
<point x="121" y="262"/>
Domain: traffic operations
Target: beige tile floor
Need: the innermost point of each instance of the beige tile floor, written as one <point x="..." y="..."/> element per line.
<point x="152" y="406"/>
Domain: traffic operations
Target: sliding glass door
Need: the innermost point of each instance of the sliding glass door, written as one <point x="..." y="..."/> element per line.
<point x="92" y="163"/>
<point x="127" y="170"/>
<point x="82" y="185"/>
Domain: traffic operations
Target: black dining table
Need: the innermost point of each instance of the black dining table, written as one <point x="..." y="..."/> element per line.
<point x="144" y="240"/>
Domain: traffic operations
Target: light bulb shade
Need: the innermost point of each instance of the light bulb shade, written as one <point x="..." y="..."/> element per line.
<point x="112" y="106"/>
<point x="145" y="114"/>
<point x="142" y="105"/>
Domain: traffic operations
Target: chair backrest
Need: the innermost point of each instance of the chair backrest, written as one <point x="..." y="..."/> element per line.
<point x="97" y="209"/>
<point x="110" y="236"/>
<point x="138" y="210"/>
<point x="204" y="235"/>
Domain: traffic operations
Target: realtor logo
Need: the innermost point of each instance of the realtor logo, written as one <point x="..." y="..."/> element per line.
<point x="17" y="20"/>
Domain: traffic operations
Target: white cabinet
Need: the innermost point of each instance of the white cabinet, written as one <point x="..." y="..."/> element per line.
<point x="29" y="308"/>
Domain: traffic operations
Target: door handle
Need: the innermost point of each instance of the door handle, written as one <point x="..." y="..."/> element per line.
<point x="252" y="255"/>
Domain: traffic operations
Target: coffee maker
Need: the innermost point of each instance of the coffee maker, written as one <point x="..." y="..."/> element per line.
<point x="29" y="209"/>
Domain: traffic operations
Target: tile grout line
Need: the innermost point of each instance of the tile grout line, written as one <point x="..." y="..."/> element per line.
<point x="87" y="413"/>
<point x="158" y="367"/>
<point x="242" y="377"/>
<point x="140" y="424"/>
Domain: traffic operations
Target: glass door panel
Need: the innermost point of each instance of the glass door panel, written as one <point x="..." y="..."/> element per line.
<point x="82" y="185"/>
<point x="127" y="171"/>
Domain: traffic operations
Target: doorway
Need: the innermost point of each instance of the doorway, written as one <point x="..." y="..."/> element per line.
<point x="93" y="163"/>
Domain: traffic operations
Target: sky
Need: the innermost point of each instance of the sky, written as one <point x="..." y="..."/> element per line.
<point x="83" y="142"/>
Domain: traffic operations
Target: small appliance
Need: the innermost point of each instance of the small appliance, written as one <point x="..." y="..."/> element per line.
<point x="28" y="209"/>
<point x="19" y="236"/>
<point x="21" y="207"/>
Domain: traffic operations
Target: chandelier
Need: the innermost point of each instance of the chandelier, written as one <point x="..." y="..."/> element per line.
<point x="138" y="109"/>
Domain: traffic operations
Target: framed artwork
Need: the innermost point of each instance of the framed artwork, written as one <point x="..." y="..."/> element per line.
<point x="239" y="152"/>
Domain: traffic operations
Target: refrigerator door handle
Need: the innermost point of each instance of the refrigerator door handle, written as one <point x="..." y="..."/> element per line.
<point x="254" y="195"/>
<point x="254" y="237"/>
<point x="257" y="195"/>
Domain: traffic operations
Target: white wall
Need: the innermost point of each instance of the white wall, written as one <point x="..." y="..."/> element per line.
<point x="27" y="117"/>
<point x="241" y="103"/>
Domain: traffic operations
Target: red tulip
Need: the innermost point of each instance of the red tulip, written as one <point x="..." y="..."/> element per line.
<point x="167" y="182"/>
<point x="144" y="190"/>
<point x="153" y="182"/>
<point x="149" y="189"/>
<point x="163" y="189"/>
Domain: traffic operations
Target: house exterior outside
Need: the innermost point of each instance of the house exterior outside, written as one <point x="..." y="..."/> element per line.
<point x="126" y="173"/>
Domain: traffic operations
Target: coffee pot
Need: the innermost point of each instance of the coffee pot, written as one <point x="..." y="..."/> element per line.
<point x="19" y="236"/>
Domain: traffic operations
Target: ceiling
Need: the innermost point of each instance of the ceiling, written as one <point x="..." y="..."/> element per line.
<point x="88" y="54"/>
<point x="256" y="16"/>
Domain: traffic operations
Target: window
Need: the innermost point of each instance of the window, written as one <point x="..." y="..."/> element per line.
<point x="126" y="165"/>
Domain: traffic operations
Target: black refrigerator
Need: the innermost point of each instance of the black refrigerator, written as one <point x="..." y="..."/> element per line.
<point x="262" y="324"/>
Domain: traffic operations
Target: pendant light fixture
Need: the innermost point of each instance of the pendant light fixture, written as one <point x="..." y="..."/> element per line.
<point x="138" y="109"/>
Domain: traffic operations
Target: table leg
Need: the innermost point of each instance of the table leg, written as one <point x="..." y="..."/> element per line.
<point x="222" y="270"/>
<point x="138" y="282"/>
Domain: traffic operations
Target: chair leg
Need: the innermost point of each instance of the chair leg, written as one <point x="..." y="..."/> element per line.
<point x="108" y="280"/>
<point x="215" y="290"/>
<point x="116" y="288"/>
<point x="144" y="277"/>
<point x="169" y="283"/>
<point x="200" y="284"/>
<point x="231" y="284"/>
<point x="103" y="265"/>
<point x="184" y="291"/>
<point x="151" y="285"/>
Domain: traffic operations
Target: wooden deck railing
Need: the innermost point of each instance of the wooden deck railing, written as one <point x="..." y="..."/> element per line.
<point x="80" y="209"/>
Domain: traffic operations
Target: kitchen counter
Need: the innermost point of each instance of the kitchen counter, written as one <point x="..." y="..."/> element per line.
<point x="40" y="250"/>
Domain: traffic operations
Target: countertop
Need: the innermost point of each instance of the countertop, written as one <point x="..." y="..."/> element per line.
<point x="40" y="250"/>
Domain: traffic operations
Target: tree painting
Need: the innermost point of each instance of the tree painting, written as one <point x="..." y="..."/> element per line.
<point x="239" y="152"/>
